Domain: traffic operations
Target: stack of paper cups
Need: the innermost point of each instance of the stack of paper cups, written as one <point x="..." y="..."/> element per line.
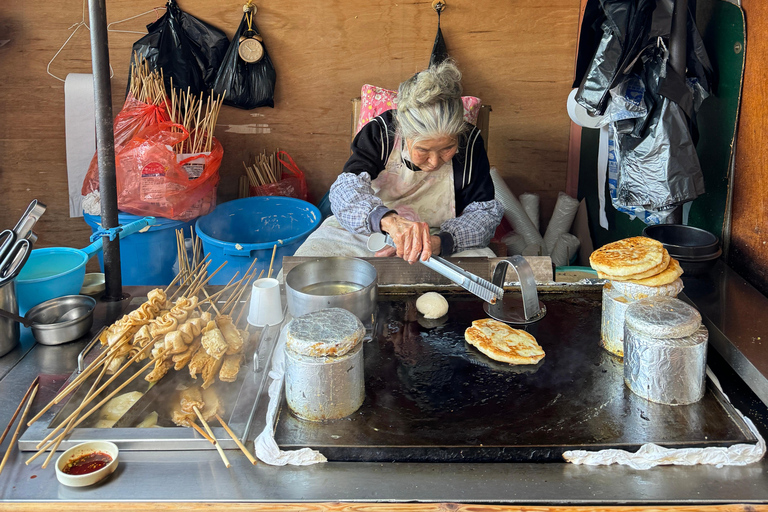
<point x="266" y="307"/>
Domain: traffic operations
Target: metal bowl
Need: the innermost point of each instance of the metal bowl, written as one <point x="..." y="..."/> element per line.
<point x="46" y="327"/>
<point x="685" y="242"/>
<point x="347" y="283"/>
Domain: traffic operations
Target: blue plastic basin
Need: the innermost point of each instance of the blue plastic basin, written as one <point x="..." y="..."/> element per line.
<point x="146" y="258"/>
<point x="246" y="229"/>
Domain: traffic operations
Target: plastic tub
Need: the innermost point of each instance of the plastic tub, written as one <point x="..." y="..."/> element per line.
<point x="146" y="258"/>
<point x="244" y="229"/>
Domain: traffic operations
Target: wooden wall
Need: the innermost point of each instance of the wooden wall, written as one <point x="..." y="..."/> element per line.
<point x="516" y="55"/>
<point x="749" y="224"/>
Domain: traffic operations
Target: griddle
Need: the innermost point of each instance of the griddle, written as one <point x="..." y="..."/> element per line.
<point x="431" y="397"/>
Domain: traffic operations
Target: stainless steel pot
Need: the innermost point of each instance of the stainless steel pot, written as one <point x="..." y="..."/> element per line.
<point x="46" y="327"/>
<point x="9" y="329"/>
<point x="337" y="282"/>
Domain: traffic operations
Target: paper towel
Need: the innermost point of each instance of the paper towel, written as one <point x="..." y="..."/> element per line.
<point x="80" y="126"/>
<point x="579" y="114"/>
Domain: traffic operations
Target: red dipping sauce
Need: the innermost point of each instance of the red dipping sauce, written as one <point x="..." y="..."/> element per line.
<point x="87" y="463"/>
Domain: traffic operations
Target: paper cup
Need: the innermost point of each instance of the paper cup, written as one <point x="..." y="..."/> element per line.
<point x="266" y="307"/>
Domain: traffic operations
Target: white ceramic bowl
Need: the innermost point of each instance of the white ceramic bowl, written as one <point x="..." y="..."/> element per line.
<point x="83" y="449"/>
<point x="92" y="284"/>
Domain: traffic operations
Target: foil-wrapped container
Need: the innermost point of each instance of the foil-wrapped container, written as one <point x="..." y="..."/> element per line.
<point x="324" y="377"/>
<point x="638" y="291"/>
<point x="612" y="325"/>
<point x="665" y="351"/>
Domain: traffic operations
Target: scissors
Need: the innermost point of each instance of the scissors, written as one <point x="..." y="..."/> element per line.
<point x="16" y="244"/>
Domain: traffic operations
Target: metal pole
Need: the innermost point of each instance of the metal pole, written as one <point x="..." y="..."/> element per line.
<point x="678" y="38"/>
<point x="105" y="145"/>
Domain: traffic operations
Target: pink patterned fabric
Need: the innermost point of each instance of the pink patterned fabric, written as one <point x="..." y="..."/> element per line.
<point x="375" y="100"/>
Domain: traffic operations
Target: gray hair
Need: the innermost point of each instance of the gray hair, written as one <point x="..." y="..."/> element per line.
<point x="429" y="103"/>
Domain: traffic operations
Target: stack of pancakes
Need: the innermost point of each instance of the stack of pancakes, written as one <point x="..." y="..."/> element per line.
<point x="638" y="260"/>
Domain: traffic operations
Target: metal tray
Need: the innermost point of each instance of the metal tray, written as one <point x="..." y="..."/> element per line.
<point x="431" y="397"/>
<point x="240" y="398"/>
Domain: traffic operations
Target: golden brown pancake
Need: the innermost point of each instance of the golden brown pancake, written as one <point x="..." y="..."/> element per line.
<point x="630" y="256"/>
<point x="501" y="342"/>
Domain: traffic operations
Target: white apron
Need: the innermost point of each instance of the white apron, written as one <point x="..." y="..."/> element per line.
<point x="415" y="195"/>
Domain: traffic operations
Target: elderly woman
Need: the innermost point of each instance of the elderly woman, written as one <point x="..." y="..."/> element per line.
<point x="419" y="173"/>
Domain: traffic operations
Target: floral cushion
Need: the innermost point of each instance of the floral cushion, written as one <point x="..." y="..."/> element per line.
<point x="375" y="100"/>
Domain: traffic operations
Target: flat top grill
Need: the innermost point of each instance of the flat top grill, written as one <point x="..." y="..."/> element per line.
<point x="432" y="397"/>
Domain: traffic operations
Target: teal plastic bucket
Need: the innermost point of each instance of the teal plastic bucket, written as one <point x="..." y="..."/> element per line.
<point x="53" y="272"/>
<point x="246" y="229"/>
<point x="146" y="258"/>
<point x="50" y="273"/>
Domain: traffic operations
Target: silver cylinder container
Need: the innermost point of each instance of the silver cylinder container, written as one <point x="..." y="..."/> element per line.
<point x="612" y="325"/>
<point x="10" y="330"/>
<point x="324" y="378"/>
<point x="665" y="351"/>
<point x="337" y="282"/>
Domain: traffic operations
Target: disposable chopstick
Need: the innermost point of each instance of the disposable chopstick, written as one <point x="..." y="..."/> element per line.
<point x="201" y="432"/>
<point x="24" y="399"/>
<point x="18" y="427"/>
<point x="210" y="433"/>
<point x="236" y="440"/>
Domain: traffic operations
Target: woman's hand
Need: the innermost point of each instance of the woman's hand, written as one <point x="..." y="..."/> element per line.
<point x="412" y="239"/>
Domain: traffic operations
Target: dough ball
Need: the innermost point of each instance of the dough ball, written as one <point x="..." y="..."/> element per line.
<point x="432" y="305"/>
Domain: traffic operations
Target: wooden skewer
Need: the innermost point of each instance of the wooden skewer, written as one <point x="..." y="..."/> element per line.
<point x="94" y="409"/>
<point x="274" y="250"/>
<point x="78" y="380"/>
<point x="18" y="427"/>
<point x="236" y="440"/>
<point x="202" y="432"/>
<point x="210" y="433"/>
<point x="102" y="388"/>
<point x="24" y="399"/>
<point x="72" y="421"/>
<point x="197" y="288"/>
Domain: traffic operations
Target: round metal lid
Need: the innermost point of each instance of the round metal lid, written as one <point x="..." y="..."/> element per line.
<point x="662" y="317"/>
<point x="327" y="332"/>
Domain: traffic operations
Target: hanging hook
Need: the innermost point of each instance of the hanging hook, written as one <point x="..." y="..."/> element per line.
<point x="439" y="6"/>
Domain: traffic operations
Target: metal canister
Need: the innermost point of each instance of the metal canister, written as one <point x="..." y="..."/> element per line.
<point x="324" y="377"/>
<point x="617" y="296"/>
<point x="612" y="325"/>
<point x="10" y="330"/>
<point x="665" y="345"/>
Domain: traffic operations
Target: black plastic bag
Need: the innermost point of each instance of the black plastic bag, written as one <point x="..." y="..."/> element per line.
<point x="439" y="50"/>
<point x="187" y="49"/>
<point x="246" y="85"/>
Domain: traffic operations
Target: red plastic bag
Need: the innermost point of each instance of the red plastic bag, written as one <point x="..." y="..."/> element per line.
<point x="152" y="181"/>
<point x="291" y="185"/>
<point x="134" y="117"/>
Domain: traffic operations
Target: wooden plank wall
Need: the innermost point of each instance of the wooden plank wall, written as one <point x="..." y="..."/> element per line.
<point x="748" y="253"/>
<point x="516" y="55"/>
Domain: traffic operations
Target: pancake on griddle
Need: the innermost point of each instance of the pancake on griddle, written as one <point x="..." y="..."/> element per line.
<point x="632" y="256"/>
<point x="501" y="342"/>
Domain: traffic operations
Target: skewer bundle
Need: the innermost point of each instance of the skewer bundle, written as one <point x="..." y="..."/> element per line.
<point x="264" y="170"/>
<point x="145" y="85"/>
<point x="198" y="116"/>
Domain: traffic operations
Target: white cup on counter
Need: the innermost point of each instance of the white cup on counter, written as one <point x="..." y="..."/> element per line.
<point x="266" y="307"/>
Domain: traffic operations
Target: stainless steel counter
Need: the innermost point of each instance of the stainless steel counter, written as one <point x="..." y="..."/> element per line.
<point x="201" y="476"/>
